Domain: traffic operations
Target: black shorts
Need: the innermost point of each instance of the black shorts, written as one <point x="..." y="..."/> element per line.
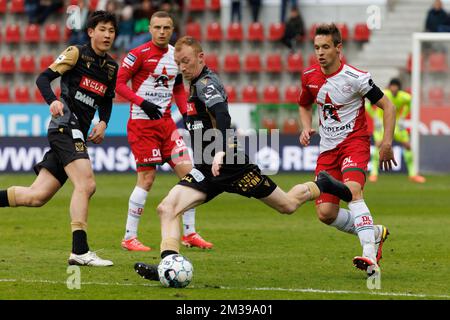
<point x="66" y="146"/>
<point x="245" y="180"/>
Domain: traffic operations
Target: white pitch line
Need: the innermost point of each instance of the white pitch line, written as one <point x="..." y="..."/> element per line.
<point x="302" y="290"/>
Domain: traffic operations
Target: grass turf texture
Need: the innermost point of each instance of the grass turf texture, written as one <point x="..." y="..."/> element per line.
<point x="255" y="247"/>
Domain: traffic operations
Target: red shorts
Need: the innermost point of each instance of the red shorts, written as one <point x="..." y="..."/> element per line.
<point x="347" y="162"/>
<point x="154" y="142"/>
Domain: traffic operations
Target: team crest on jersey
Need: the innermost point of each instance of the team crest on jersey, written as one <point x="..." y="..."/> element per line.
<point x="191" y="110"/>
<point x="329" y="109"/>
<point x="163" y="79"/>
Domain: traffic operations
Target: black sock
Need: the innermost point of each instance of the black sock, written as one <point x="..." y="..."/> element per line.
<point x="165" y="253"/>
<point x="4" y="198"/>
<point x="79" y="242"/>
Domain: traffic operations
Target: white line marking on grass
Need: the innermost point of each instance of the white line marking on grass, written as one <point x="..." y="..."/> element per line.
<point x="302" y="290"/>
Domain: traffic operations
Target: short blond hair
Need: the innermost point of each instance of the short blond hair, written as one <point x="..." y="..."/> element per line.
<point x="190" y="42"/>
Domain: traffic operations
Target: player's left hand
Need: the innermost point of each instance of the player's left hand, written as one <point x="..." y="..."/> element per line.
<point x="217" y="163"/>
<point x="386" y="156"/>
<point x="98" y="133"/>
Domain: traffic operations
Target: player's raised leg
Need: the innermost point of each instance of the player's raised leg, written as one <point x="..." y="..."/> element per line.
<point x="179" y="199"/>
<point x="80" y="173"/>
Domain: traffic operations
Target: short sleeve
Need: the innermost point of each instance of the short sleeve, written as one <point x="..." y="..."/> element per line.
<point x="305" y="98"/>
<point x="365" y="84"/>
<point x="66" y="60"/>
<point x="210" y="92"/>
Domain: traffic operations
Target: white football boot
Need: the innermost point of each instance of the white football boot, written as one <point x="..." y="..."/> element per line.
<point x="88" y="259"/>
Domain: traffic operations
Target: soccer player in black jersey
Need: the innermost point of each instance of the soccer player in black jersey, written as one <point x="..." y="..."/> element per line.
<point x="88" y="77"/>
<point x="208" y="109"/>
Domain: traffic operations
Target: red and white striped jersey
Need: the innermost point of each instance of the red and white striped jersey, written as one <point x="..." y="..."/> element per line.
<point x="340" y="102"/>
<point x="154" y="76"/>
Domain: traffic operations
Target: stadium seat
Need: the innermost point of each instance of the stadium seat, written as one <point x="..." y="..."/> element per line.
<point x="214" y="32"/>
<point x="252" y="63"/>
<point x="27" y="64"/>
<point x="312" y="59"/>
<point x="52" y="33"/>
<point x="274" y="63"/>
<point x="295" y="62"/>
<point x="231" y="93"/>
<point x="276" y="31"/>
<point x="93" y="5"/>
<point x="8" y="64"/>
<point x="38" y="96"/>
<point x="12" y="33"/>
<point x="312" y="31"/>
<point x="269" y="123"/>
<point x="17" y="6"/>
<point x="214" y="5"/>
<point x="32" y="33"/>
<point x="212" y="61"/>
<point x="343" y="28"/>
<point x="234" y="32"/>
<point x="437" y="62"/>
<point x="22" y="94"/>
<point x="4" y="94"/>
<point x="196" y="5"/>
<point x="290" y="126"/>
<point x="436" y="96"/>
<point x="361" y="32"/>
<point x="232" y="63"/>
<point x="46" y="61"/>
<point x="250" y="94"/>
<point x="3" y="6"/>
<point x="255" y="32"/>
<point x="291" y="93"/>
<point x="271" y="94"/>
<point x="194" y="29"/>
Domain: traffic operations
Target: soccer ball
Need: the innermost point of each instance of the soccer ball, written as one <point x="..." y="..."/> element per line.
<point x="175" y="271"/>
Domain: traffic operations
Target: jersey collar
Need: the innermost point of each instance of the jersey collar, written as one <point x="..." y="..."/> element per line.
<point x="334" y="73"/>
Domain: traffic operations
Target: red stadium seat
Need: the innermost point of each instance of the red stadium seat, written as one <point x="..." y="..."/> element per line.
<point x="8" y="64"/>
<point x="436" y="96"/>
<point x="290" y="126"/>
<point x="269" y="123"/>
<point x="312" y="59"/>
<point x="17" y="6"/>
<point x="295" y="62"/>
<point x="271" y="94"/>
<point x="52" y="33"/>
<point x="235" y="32"/>
<point x="22" y="94"/>
<point x="3" y="6"/>
<point x="27" y="64"/>
<point x="231" y="93"/>
<point x="437" y="62"/>
<point x="343" y="28"/>
<point x="4" y="94"/>
<point x="93" y="5"/>
<point x="46" y="61"/>
<point x="212" y="61"/>
<point x="312" y="31"/>
<point x="38" y="96"/>
<point x="232" y="63"/>
<point x="252" y="63"/>
<point x="291" y="94"/>
<point x="32" y="33"/>
<point x="214" y="32"/>
<point x="255" y="32"/>
<point x="194" y="29"/>
<point x="250" y="94"/>
<point x="196" y="5"/>
<point x="214" y="5"/>
<point x="274" y="63"/>
<point x="276" y="31"/>
<point x="12" y="33"/>
<point x="361" y="32"/>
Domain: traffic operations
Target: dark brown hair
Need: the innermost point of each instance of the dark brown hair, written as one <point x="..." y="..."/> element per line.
<point x="329" y="30"/>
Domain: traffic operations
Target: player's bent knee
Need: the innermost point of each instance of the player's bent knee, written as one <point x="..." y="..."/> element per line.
<point x="165" y="210"/>
<point x="326" y="216"/>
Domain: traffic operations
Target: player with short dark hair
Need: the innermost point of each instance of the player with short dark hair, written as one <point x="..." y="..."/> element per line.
<point x="208" y="113"/>
<point x="88" y="77"/>
<point x="339" y="90"/>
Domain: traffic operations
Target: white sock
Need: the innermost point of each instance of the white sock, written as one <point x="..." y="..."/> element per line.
<point x="345" y="221"/>
<point x="364" y="227"/>
<point x="135" y="210"/>
<point x="189" y="221"/>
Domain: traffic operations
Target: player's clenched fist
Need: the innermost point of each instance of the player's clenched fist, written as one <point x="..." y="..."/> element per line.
<point x="305" y="136"/>
<point x="56" y="109"/>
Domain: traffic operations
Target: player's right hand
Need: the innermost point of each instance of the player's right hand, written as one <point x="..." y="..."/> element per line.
<point x="305" y="136"/>
<point x="56" y="108"/>
<point x="151" y="110"/>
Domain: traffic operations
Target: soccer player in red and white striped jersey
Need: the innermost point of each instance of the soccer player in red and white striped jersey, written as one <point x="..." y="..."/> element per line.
<point x="339" y="90"/>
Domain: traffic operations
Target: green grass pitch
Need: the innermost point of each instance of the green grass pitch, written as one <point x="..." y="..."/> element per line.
<point x="258" y="253"/>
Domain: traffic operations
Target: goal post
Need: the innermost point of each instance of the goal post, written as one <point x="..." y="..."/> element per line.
<point x="418" y="40"/>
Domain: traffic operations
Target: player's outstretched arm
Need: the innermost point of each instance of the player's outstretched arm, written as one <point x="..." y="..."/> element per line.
<point x="386" y="153"/>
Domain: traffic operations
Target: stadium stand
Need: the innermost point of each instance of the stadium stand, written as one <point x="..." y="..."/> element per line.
<point x="214" y="32"/>
<point x="250" y="94"/>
